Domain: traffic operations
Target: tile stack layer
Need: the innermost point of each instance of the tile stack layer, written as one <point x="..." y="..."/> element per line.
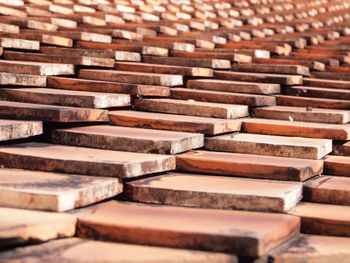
<point x="175" y="131"/>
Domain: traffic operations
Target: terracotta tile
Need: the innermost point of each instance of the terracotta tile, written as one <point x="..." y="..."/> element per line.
<point x="86" y="161"/>
<point x="337" y="165"/>
<point x="174" y="122"/>
<point x="164" y="69"/>
<point x="107" y="86"/>
<point x="195" y="190"/>
<point x="22" y="79"/>
<point x="132" y="77"/>
<point x="128" y="139"/>
<point x="297" y="128"/>
<point x="295" y="147"/>
<point x="54" y="58"/>
<point x="240" y="232"/>
<point x="222" y="97"/>
<point x="306" y="114"/>
<point x="246" y="165"/>
<point x="233" y="86"/>
<point x="82" y="250"/>
<point x="11" y="130"/>
<point x="328" y="189"/>
<point x="189" y="62"/>
<point x="266" y="68"/>
<point x="323" y="219"/>
<point x="36" y="68"/>
<point x="53" y="191"/>
<point x="296" y="101"/>
<point x="312" y="248"/>
<point x="192" y="108"/>
<point x="259" y="77"/>
<point x="50" y="113"/>
<point x="85" y="99"/>
<point x="20" y="226"/>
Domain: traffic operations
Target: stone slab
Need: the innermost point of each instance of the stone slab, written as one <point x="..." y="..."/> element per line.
<point x="192" y="108"/>
<point x="195" y="190"/>
<point x="323" y="219"/>
<point x="328" y="189"/>
<point x="312" y="248"/>
<point x="85" y="161"/>
<point x="78" y="250"/>
<point x="19" y="226"/>
<point x="252" y="100"/>
<point x="294" y="147"/>
<point x="36" y="68"/>
<point x="128" y="139"/>
<point x="173" y="122"/>
<point x="107" y="86"/>
<point x="50" y="113"/>
<point x="233" y="86"/>
<point x="12" y="130"/>
<point x="248" y="165"/>
<point x="297" y="128"/>
<point x="58" y="192"/>
<point x="72" y="98"/>
<point x="132" y="77"/>
<point x="240" y="232"/>
<point x="306" y="114"/>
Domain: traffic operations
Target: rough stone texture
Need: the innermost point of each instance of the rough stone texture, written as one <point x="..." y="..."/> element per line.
<point x="193" y="108"/>
<point x="107" y="86"/>
<point x="328" y="189"/>
<point x="337" y="165"/>
<point x="22" y="79"/>
<point x="70" y="98"/>
<point x="19" y="226"/>
<point x="233" y="86"/>
<point x="86" y="161"/>
<point x="260" y="77"/>
<point x="297" y="128"/>
<point x="222" y="97"/>
<point x="36" y="68"/>
<point x="173" y="122"/>
<point x="128" y="139"/>
<point x="49" y="113"/>
<point x="240" y="232"/>
<point x="53" y="191"/>
<point x="312" y="249"/>
<point x="295" y="147"/>
<point x="218" y="192"/>
<point x="11" y="130"/>
<point x="132" y="77"/>
<point x="77" y="250"/>
<point x="323" y="219"/>
<point x="246" y="165"/>
<point x="306" y="114"/>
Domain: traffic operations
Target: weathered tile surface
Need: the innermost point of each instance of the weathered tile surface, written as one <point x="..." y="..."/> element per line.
<point x="86" y="161"/>
<point x="19" y="226"/>
<point x="78" y="250"/>
<point x="296" y="147"/>
<point x="174" y="122"/>
<point x="219" y="192"/>
<point x="247" y="165"/>
<point x="240" y="232"/>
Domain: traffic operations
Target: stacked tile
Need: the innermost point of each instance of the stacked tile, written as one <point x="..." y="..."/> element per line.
<point x="212" y="126"/>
